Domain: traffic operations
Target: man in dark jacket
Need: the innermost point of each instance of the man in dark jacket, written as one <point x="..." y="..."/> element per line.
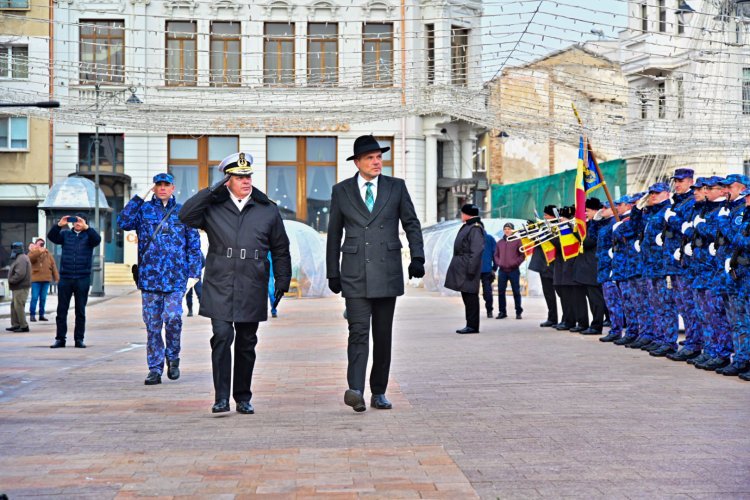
<point x="508" y="259"/>
<point x="77" y="256"/>
<point x="586" y="267"/>
<point x="19" y="282"/>
<point x="365" y="212"/>
<point x="466" y="265"/>
<point x="169" y="254"/>
<point x="242" y="226"/>
<point x="488" y="271"/>
<point x="539" y="264"/>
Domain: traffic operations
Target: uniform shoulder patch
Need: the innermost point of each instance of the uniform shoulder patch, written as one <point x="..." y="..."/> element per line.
<point x="738" y="220"/>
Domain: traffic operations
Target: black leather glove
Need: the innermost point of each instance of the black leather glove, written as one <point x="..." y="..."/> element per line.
<point x="278" y="295"/>
<point x="220" y="183"/>
<point x="334" y="284"/>
<point x="492" y="278"/>
<point x="416" y="268"/>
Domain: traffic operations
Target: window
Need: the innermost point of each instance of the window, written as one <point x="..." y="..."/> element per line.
<point x="480" y="160"/>
<point x="102" y="47"/>
<point x="387" y="156"/>
<point x="377" y="54"/>
<point x="430" y="28"/>
<point x="191" y="160"/>
<point x="301" y="175"/>
<point x="662" y="101"/>
<point x="14" y="4"/>
<point x="680" y="98"/>
<point x="746" y="167"/>
<point x="643" y="102"/>
<point x="225" y="54"/>
<point x="322" y="54"/>
<point x="181" y="53"/>
<point x="746" y="91"/>
<point x="111" y="153"/>
<point x="14" y="62"/>
<point x="278" y="54"/>
<point x="680" y="20"/>
<point x="14" y="133"/>
<point x="459" y="56"/>
<point x="644" y="17"/>
<point x="662" y="16"/>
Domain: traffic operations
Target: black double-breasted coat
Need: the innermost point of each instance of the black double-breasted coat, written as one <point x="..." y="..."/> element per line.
<point x="464" y="271"/>
<point x="235" y="283"/>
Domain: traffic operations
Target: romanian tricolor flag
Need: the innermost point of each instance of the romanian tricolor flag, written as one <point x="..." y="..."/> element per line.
<point x="549" y="251"/>
<point x="528" y="245"/>
<point x="570" y="245"/>
<point x="584" y="159"/>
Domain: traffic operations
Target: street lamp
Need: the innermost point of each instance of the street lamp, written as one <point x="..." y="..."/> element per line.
<point x="43" y="104"/>
<point x="684" y="9"/>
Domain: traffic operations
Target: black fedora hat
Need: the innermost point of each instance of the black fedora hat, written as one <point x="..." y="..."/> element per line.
<point x="365" y="144"/>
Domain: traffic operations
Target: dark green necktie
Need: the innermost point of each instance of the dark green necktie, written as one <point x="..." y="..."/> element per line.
<point x="369" y="197"/>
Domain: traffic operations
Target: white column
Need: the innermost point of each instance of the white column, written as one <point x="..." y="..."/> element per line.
<point x="467" y="159"/>
<point x="430" y="179"/>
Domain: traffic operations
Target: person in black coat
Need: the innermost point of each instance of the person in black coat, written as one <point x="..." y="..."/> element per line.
<point x="464" y="271"/>
<point x="586" y="266"/>
<point x="366" y="268"/>
<point x="242" y="226"/>
<point x="572" y="294"/>
<point x="538" y="263"/>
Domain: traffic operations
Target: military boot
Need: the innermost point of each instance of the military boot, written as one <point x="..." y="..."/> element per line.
<point x="734" y="369"/>
<point x="699" y="359"/>
<point x="173" y="369"/>
<point x="683" y="355"/>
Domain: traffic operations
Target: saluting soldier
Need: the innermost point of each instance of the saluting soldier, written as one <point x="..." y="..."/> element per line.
<point x="243" y="226"/>
<point x="737" y="266"/>
<point x="605" y="275"/>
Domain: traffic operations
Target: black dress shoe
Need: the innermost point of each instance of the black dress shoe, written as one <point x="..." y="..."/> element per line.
<point x="245" y="407"/>
<point x="32" y="319"/>
<point x="42" y="318"/>
<point x="663" y="351"/>
<point x="190" y="313"/>
<point x="80" y="344"/>
<point x="734" y="369"/>
<point x="577" y="329"/>
<point x="353" y="398"/>
<point x="380" y="402"/>
<point x="501" y="316"/>
<point x="489" y="314"/>
<point x="152" y="378"/>
<point x="683" y="355"/>
<point x="699" y="359"/>
<point x="610" y="337"/>
<point x="22" y="330"/>
<point x="467" y="330"/>
<point x="220" y="406"/>
<point x="590" y="331"/>
<point x="13" y="328"/>
<point x="173" y="369"/>
<point x="547" y="324"/>
<point x="626" y="340"/>
<point x="57" y="344"/>
<point x="518" y="316"/>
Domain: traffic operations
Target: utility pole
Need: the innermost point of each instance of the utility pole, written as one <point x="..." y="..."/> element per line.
<point x="97" y="286"/>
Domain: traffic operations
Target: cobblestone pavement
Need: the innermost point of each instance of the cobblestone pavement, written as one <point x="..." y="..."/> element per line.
<point x="514" y="412"/>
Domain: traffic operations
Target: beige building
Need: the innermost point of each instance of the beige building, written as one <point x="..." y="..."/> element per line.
<point x="540" y="133"/>
<point x="25" y="158"/>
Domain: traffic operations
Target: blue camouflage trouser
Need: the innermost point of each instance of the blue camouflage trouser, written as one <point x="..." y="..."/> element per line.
<point x="737" y="316"/>
<point x="162" y="310"/>
<point x="614" y="301"/>
<point x="717" y="341"/>
<point x="687" y="308"/>
<point x="667" y="324"/>
<point x="645" y="310"/>
<point x="629" y="292"/>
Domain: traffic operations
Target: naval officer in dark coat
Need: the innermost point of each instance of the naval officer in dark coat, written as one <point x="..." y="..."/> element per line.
<point x="366" y="266"/>
<point x="243" y="227"/>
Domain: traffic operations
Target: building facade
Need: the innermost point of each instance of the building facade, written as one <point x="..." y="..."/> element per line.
<point x="178" y="85"/>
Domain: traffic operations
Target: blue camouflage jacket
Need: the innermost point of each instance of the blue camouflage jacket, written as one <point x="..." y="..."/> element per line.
<point x="704" y="266"/>
<point x="683" y="207"/>
<point x="173" y="256"/>
<point x="653" y="254"/>
<point x="626" y="261"/>
<point x="603" y="246"/>
<point x="728" y="225"/>
<point x="741" y="241"/>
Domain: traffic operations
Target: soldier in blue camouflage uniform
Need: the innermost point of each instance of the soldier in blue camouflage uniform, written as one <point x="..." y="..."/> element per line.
<point x="612" y="295"/>
<point x="737" y="267"/>
<point x="701" y="232"/>
<point x="683" y="202"/>
<point x="165" y="264"/>
<point x="729" y="220"/>
<point x="624" y="270"/>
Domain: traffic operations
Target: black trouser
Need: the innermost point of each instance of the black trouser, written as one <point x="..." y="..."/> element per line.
<point x="503" y="278"/>
<point x="360" y="313"/>
<point x="67" y="288"/>
<point x="580" y="308"/>
<point x="471" y="308"/>
<point x="198" y="287"/>
<point x="487" y="279"/>
<point x="549" y="297"/>
<point x="596" y="303"/>
<point x="244" y="358"/>
<point x="566" y="298"/>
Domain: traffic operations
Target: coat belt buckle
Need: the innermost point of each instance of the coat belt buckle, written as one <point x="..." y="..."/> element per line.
<point x="243" y="254"/>
<point x="229" y="253"/>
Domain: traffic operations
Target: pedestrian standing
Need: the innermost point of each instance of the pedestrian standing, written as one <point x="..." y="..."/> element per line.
<point x="508" y="259"/>
<point x="169" y="256"/>
<point x="77" y="255"/>
<point x="43" y="272"/>
<point x="19" y="282"/>
<point x="243" y="226"/>
<point x="466" y="265"/>
<point x="363" y="263"/>
<point x="488" y="271"/>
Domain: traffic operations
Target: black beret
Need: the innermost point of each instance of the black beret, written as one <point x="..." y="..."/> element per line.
<point x="470" y="209"/>
<point x="594" y="204"/>
<point x="550" y="210"/>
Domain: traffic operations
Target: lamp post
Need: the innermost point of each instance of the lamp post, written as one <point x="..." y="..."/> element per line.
<point x="97" y="284"/>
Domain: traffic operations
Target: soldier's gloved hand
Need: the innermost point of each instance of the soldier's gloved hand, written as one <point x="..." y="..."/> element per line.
<point x="220" y="183"/>
<point x="698" y="219"/>
<point x="637" y="246"/>
<point x="685" y="226"/>
<point x="611" y="253"/>
<point x="334" y="285"/>
<point x="676" y="254"/>
<point x="689" y="249"/>
<point x="724" y="212"/>
<point x="659" y="240"/>
<point x="728" y="265"/>
<point x="416" y="268"/>
<point x="617" y="224"/>
<point x="669" y="213"/>
<point x="712" y="249"/>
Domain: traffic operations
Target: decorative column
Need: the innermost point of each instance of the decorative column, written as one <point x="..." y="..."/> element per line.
<point x="430" y="178"/>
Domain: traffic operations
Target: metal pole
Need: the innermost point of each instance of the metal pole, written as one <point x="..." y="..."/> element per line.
<point x="97" y="288"/>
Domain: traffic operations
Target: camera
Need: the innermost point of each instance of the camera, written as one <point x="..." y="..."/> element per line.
<point x="72" y="219"/>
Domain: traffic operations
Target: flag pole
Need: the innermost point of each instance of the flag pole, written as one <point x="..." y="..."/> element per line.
<point x="590" y="150"/>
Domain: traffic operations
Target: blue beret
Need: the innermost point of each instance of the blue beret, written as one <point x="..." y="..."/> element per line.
<point x="745" y="192"/>
<point x="732" y="178"/>
<point x="164" y="177"/>
<point x="605" y="204"/>
<point x="635" y="197"/>
<point x="683" y="173"/>
<point x="659" y="187"/>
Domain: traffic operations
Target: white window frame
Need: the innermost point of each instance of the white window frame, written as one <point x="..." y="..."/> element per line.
<point x="8" y="49"/>
<point x="7" y="146"/>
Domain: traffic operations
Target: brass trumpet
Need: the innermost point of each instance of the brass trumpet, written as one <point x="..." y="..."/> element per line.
<point x="551" y="233"/>
<point x="532" y="230"/>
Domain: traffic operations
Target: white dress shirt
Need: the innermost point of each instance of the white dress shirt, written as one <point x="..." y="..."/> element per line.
<point x="239" y="202"/>
<point x="363" y="189"/>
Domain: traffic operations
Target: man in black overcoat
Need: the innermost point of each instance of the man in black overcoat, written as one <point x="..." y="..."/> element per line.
<point x="464" y="271"/>
<point x="366" y="267"/>
<point x="585" y="268"/>
<point x="243" y="227"/>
